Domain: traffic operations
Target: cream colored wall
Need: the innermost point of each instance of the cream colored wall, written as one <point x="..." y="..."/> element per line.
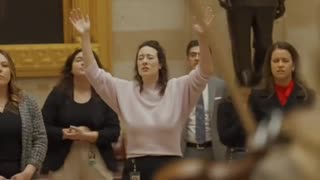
<point x="302" y="29"/>
<point x="37" y="87"/>
<point x="169" y="22"/>
<point x="135" y="21"/>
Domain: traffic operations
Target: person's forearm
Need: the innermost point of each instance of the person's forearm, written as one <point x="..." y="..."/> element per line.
<point x="88" y="56"/>
<point x="91" y="136"/>
<point x="206" y="64"/>
<point x="29" y="170"/>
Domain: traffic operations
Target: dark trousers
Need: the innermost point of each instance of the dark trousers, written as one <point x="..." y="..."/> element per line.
<point x="147" y="166"/>
<point x="241" y="20"/>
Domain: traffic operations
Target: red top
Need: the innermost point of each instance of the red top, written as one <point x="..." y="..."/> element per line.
<point x="284" y="92"/>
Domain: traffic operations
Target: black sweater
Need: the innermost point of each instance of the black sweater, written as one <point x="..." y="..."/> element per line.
<point x="263" y="102"/>
<point x="60" y="111"/>
<point x="231" y="132"/>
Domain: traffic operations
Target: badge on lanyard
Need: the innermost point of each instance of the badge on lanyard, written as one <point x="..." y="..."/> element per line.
<point x="134" y="175"/>
<point x="92" y="158"/>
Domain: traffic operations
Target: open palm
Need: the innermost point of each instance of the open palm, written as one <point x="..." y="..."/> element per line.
<point x="204" y="21"/>
<point x="79" y="22"/>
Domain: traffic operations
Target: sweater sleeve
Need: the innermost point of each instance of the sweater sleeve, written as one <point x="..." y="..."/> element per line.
<point x="105" y="85"/>
<point x="230" y="130"/>
<point x="39" y="137"/>
<point x="111" y="128"/>
<point x="50" y="114"/>
<point x="191" y="86"/>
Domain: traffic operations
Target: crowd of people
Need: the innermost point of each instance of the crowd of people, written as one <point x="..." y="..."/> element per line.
<point x="191" y="116"/>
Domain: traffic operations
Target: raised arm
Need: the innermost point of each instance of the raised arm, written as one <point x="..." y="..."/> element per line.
<point x="202" y="28"/>
<point x="102" y="81"/>
<point x="82" y="25"/>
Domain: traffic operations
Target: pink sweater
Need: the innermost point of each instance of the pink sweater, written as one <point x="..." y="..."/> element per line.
<point x="153" y="123"/>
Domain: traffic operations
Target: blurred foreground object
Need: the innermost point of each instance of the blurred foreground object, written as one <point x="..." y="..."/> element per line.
<point x="266" y="134"/>
<point x="301" y="158"/>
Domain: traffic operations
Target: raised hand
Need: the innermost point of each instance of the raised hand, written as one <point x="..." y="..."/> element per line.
<point x="79" y="22"/>
<point x="204" y="21"/>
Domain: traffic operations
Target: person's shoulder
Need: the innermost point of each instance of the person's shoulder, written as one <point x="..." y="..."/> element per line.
<point x="217" y="82"/>
<point x="226" y="101"/>
<point x="97" y="99"/>
<point x="27" y="97"/>
<point x="27" y="100"/>
<point x="57" y="92"/>
<point x="174" y="80"/>
<point x="216" y="79"/>
<point x="260" y="93"/>
<point x="226" y="105"/>
<point x="305" y="93"/>
<point x="258" y="96"/>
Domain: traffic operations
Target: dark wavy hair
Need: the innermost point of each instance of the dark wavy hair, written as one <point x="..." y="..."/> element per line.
<point x="14" y="92"/>
<point x="268" y="77"/>
<point x="163" y="72"/>
<point x="65" y="84"/>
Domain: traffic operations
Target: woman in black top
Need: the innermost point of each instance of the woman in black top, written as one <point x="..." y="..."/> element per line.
<point x="80" y="126"/>
<point x="23" y="140"/>
<point x="282" y="88"/>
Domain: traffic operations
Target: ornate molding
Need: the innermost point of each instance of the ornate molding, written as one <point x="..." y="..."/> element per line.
<point x="41" y="60"/>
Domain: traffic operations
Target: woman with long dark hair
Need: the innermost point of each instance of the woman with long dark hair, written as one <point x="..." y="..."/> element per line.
<point x="282" y="89"/>
<point x="154" y="109"/>
<point x="80" y="126"/>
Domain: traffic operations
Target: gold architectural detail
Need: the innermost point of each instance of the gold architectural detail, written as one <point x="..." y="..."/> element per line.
<point x="104" y="31"/>
<point x="87" y="7"/>
<point x="45" y="60"/>
<point x="67" y="26"/>
<point x="41" y="60"/>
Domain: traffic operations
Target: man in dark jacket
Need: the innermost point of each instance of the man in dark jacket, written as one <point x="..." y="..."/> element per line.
<point x="244" y="16"/>
<point x="230" y="128"/>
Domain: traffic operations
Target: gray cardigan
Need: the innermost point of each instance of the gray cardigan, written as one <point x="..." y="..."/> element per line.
<point x="34" y="137"/>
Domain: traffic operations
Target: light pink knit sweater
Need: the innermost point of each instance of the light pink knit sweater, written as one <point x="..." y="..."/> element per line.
<point x="153" y="123"/>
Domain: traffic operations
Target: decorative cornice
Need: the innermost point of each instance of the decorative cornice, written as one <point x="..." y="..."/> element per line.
<point x="41" y="60"/>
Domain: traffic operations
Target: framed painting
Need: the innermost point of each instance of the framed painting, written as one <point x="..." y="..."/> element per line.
<point x="41" y="50"/>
